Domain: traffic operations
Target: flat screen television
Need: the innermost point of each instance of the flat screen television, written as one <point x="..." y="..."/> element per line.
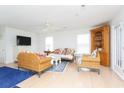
<point x="23" y="41"/>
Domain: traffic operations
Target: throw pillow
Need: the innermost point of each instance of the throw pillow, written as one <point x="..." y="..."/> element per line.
<point x="57" y="51"/>
<point x="94" y="53"/>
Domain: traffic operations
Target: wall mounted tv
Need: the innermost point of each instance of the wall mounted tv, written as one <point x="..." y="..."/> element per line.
<point x="23" y="41"/>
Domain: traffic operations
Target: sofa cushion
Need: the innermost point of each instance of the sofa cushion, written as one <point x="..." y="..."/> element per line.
<point x="72" y="51"/>
<point x="69" y="51"/>
<point x="68" y="57"/>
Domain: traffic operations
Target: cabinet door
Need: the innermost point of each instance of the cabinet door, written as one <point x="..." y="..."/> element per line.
<point x="106" y="44"/>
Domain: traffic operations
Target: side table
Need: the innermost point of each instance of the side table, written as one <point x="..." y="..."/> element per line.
<point x="47" y="52"/>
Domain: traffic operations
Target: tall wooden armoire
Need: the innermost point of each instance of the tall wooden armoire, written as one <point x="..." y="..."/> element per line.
<point x="100" y="39"/>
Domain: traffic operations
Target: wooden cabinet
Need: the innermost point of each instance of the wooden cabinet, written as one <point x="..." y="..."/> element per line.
<point x="100" y="39"/>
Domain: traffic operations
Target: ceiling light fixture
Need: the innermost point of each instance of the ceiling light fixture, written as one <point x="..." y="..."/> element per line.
<point x="82" y="5"/>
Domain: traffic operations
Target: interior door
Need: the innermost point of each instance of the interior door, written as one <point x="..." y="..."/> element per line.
<point x="105" y="56"/>
<point x="119" y="46"/>
<point x="122" y="46"/>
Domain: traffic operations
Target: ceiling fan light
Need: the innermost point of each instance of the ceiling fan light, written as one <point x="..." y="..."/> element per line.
<point x="82" y="5"/>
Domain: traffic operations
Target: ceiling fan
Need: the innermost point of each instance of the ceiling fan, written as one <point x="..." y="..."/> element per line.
<point x="49" y="27"/>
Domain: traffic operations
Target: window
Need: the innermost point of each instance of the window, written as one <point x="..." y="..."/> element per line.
<point x="49" y="43"/>
<point x="83" y="43"/>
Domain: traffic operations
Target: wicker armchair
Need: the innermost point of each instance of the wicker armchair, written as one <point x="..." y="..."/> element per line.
<point x="91" y="63"/>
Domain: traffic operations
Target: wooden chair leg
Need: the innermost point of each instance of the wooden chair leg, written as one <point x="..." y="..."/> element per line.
<point x="39" y="73"/>
<point x="78" y="69"/>
<point x="98" y="71"/>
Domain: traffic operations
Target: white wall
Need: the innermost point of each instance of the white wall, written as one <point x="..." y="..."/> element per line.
<point x="2" y="44"/>
<point x="63" y="39"/>
<point x="9" y="43"/>
<point x="116" y="20"/>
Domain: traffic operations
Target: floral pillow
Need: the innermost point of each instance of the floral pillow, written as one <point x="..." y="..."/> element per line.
<point x="94" y="53"/>
<point x="70" y="51"/>
<point x="64" y="52"/>
<point x="41" y="55"/>
<point x="57" y="51"/>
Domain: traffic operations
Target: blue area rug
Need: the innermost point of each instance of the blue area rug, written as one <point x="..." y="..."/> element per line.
<point x="58" y="68"/>
<point x="9" y="77"/>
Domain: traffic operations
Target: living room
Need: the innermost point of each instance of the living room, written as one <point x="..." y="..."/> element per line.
<point x="67" y="28"/>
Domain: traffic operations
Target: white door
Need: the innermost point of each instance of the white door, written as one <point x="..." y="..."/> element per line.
<point x="118" y="47"/>
<point x="122" y="46"/>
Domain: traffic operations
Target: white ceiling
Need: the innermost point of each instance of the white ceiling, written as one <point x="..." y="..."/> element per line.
<point x="56" y="18"/>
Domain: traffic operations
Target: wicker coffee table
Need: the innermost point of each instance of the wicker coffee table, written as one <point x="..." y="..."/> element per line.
<point x="56" y="60"/>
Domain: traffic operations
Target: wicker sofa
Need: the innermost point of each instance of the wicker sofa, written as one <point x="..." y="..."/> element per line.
<point x="34" y="62"/>
<point x="65" y="53"/>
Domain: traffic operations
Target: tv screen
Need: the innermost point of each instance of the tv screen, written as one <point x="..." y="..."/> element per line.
<point x="23" y="41"/>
